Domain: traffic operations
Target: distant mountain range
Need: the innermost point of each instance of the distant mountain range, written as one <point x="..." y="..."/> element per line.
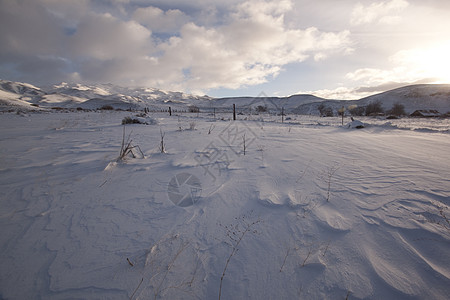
<point x="26" y="96"/>
<point x="66" y="95"/>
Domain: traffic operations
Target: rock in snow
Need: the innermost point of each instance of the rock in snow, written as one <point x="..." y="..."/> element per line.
<point x="355" y="124"/>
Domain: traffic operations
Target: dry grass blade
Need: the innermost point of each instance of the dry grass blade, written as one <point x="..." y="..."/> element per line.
<point x="127" y="147"/>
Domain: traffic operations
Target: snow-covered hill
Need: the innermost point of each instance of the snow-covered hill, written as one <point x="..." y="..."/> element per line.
<point x="19" y="88"/>
<point x="19" y="95"/>
<point x="435" y="97"/>
<point x="272" y="104"/>
<point x="414" y="97"/>
<point x="127" y="97"/>
<point x="94" y="96"/>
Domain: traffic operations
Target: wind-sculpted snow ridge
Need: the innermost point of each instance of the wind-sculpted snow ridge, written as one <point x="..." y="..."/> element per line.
<point x="430" y="125"/>
<point x="309" y="212"/>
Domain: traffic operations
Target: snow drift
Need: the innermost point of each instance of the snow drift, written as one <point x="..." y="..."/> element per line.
<point x="314" y="211"/>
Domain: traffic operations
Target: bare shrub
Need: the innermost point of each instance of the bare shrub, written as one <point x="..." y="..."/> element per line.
<point x="442" y="219"/>
<point x="374" y="108"/>
<point x="298" y="248"/>
<point x="235" y="233"/>
<point x="357" y="110"/>
<point x="397" y="110"/>
<point x="130" y="120"/>
<point x="211" y="128"/>
<point x="325" y="111"/>
<point x="162" y="145"/>
<point x="261" y="109"/>
<point x="127" y="148"/>
<point x="170" y="267"/>
<point x="310" y="250"/>
<point x="107" y="107"/>
<point x="328" y="177"/>
<point x="194" y="109"/>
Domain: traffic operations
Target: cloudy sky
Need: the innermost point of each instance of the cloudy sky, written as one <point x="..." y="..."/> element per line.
<point x="337" y="49"/>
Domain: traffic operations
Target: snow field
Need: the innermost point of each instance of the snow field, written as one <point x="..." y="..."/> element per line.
<point x="339" y="212"/>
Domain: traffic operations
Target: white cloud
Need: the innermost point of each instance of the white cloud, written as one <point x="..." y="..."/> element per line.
<point x="371" y="77"/>
<point x="250" y="48"/>
<point x="383" y="12"/>
<point x="104" y="37"/>
<point x="390" y="20"/>
<point x="425" y="62"/>
<point x="340" y="93"/>
<point x="355" y="93"/>
<point x="158" y="20"/>
<point x="251" y="45"/>
<point x="410" y="65"/>
<point x="260" y="8"/>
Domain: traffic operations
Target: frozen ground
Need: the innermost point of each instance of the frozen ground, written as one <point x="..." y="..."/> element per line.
<point x="316" y="211"/>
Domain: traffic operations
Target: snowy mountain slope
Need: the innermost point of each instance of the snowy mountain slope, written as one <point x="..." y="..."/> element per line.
<point x="331" y="213"/>
<point x="9" y="98"/>
<point x="136" y="98"/>
<point x="80" y="91"/>
<point x="25" y="95"/>
<point x="436" y="97"/>
<point x="94" y="96"/>
<point x="19" y="95"/>
<point x="20" y="88"/>
<point x="273" y="104"/>
<point x="10" y="101"/>
<point x="313" y="108"/>
<point x="414" y="97"/>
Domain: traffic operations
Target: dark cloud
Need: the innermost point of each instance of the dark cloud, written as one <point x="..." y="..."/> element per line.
<point x="113" y="41"/>
<point x="28" y="29"/>
<point x="205" y="44"/>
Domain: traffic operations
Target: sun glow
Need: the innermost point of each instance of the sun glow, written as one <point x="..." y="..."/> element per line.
<point x="430" y="63"/>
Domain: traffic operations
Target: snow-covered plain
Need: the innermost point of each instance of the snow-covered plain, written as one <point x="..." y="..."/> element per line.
<point x="316" y="210"/>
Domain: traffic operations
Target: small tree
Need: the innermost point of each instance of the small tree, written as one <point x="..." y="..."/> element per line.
<point x="261" y="108"/>
<point x="357" y="110"/>
<point x="374" y="108"/>
<point x="321" y="108"/>
<point x="325" y="111"/>
<point x="194" y="109"/>
<point x="107" y="107"/>
<point x="397" y="110"/>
